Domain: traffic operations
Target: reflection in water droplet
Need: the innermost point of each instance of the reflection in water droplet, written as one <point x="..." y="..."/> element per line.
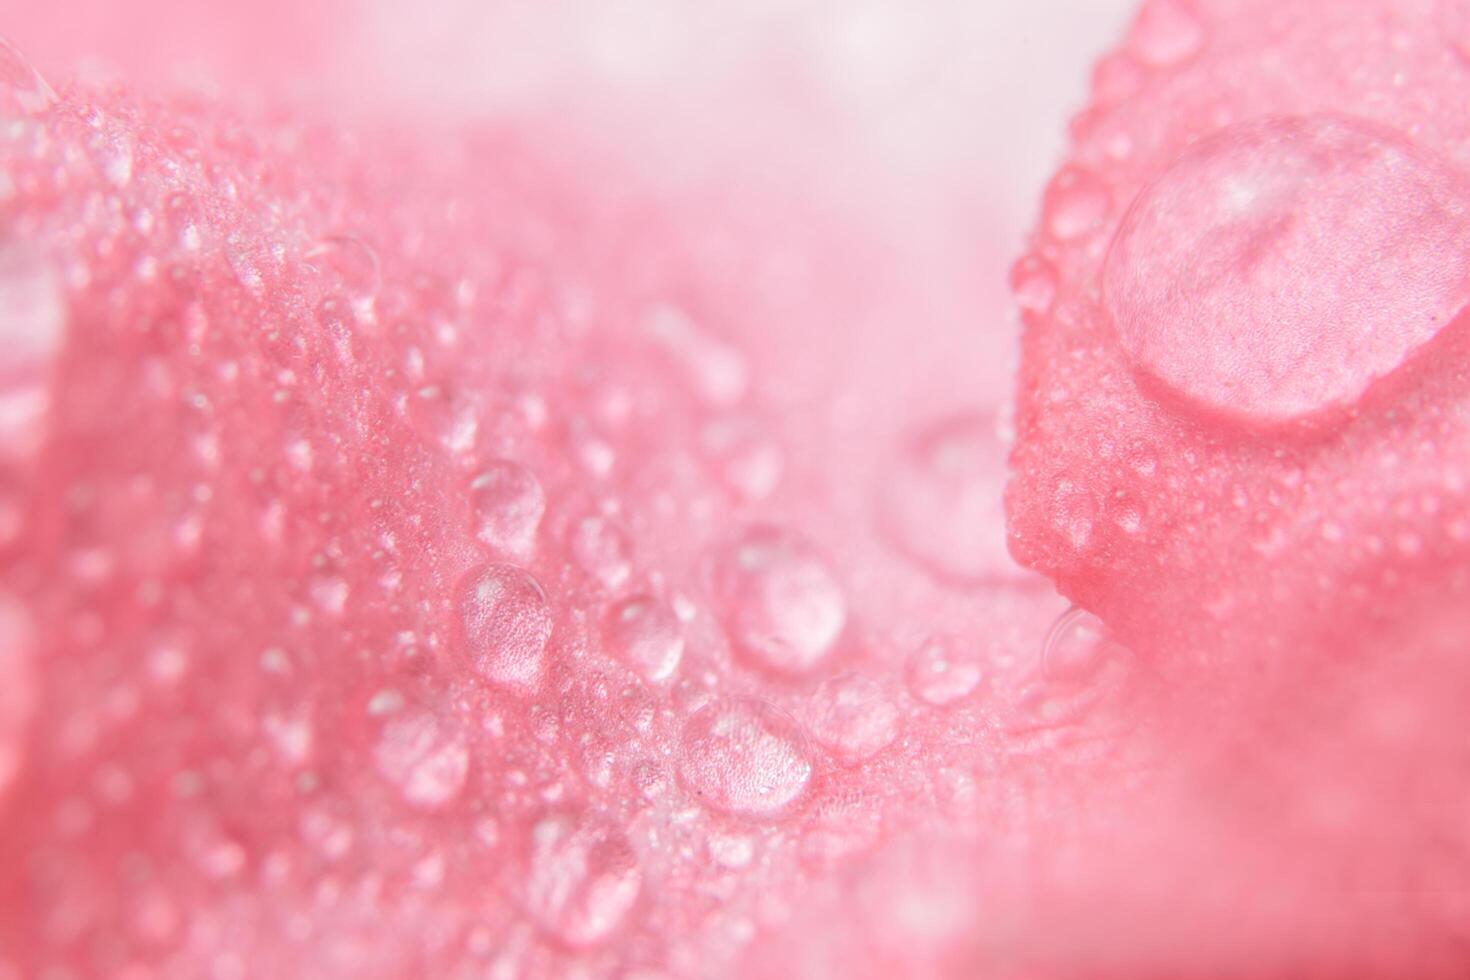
<point x="942" y="500"/>
<point x="1076" y="203"/>
<point x="852" y="717"/>
<point x="744" y="757"/>
<point x="944" y="670"/>
<point x="583" y="880"/>
<point x="32" y="330"/>
<point x="1167" y="32"/>
<point x="783" y="604"/>
<point x="1073" y="646"/>
<point x="602" y="550"/>
<point x="22" y="88"/>
<point x="425" y="759"/>
<point x="645" y="634"/>
<point x="506" y="623"/>
<point x="1248" y="277"/>
<point x="508" y="505"/>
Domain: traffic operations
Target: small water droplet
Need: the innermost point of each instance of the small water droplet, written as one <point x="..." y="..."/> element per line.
<point x="506" y="622"/>
<point x="1076" y="203"/>
<point x="746" y="460"/>
<point x="645" y="634"/>
<point x="1248" y="277"/>
<point x="1073" y="646"/>
<point x="716" y="368"/>
<point x="32" y="332"/>
<point x="783" y="604"/>
<point x="22" y="89"/>
<point x="944" y="670"/>
<point x="583" y="881"/>
<point x="351" y="267"/>
<point x="744" y="757"/>
<point x="942" y="502"/>
<point x="424" y="757"/>
<point x="852" y="717"/>
<point x="602" y="549"/>
<point x="330" y="594"/>
<point x="1034" y="284"/>
<point x="1166" y="33"/>
<point x="508" y="505"/>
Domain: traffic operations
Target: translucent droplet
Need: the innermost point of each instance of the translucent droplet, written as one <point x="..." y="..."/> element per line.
<point x="1076" y="203"/>
<point x="1167" y="32"/>
<point x="22" y="89"/>
<point x="730" y="850"/>
<point x="1251" y="276"/>
<point x="18" y="682"/>
<point x="506" y="622"/>
<point x="646" y="635"/>
<point x="1034" y="284"/>
<point x="944" y="670"/>
<point x="351" y="267"/>
<point x="32" y="331"/>
<point x="425" y="759"/>
<point x="602" y="549"/>
<point x="1080" y="664"/>
<point x="508" y="505"/>
<point x="583" y="880"/>
<point x="852" y="717"/>
<point x="745" y="459"/>
<point x="783" y="604"/>
<point x="716" y="368"/>
<point x="744" y="757"/>
<point x="1073" y="647"/>
<point x="942" y="502"/>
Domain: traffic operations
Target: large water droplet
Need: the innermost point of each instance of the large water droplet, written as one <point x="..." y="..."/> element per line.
<point x="1034" y="284"/>
<point x="32" y="322"/>
<point x="646" y="635"/>
<point x="1167" y="32"/>
<point x="1080" y="663"/>
<point x="351" y="267"/>
<point x="1281" y="266"/>
<point x="784" y="606"/>
<point x="744" y="757"/>
<point x="853" y="717"/>
<point x="583" y="880"/>
<point x="22" y="89"/>
<point x="942" y="500"/>
<point x="508" y="504"/>
<point x="426" y="759"/>
<point x="944" y="670"/>
<point x="17" y="685"/>
<point x="506" y="622"/>
<point x="1076" y="203"/>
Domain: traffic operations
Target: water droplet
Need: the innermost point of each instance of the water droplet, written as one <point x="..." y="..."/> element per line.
<point x="784" y="606"/>
<point x="17" y="685"/>
<point x="1076" y="203"/>
<point x="744" y="757"/>
<point x="351" y="267"/>
<point x="942" y="500"/>
<point x="1073" y="647"/>
<point x="330" y="594"/>
<point x="646" y="635"/>
<point x="944" y="670"/>
<point x="853" y="717"/>
<point x="1167" y="32"/>
<point x="22" y="88"/>
<point x="32" y="329"/>
<point x="602" y="550"/>
<point x="507" y="624"/>
<point x="426" y="759"/>
<point x="732" y="851"/>
<point x="746" y="460"/>
<point x="1250" y="276"/>
<point x="716" y="368"/>
<point x="508" y="504"/>
<point x="583" y="880"/>
<point x="1034" y="284"/>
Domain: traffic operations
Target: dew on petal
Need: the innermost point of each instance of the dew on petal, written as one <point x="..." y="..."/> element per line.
<point x="506" y="623"/>
<point x="783" y="604"/>
<point x="583" y="880"/>
<point x="508" y="504"/>
<point x="645" y="633"/>
<point x="424" y="758"/>
<point x="744" y="757"/>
